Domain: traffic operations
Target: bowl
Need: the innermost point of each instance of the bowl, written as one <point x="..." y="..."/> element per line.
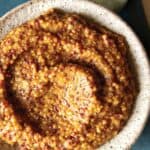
<point x="134" y="126"/>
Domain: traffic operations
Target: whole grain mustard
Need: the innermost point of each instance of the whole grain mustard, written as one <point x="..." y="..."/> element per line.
<point x="65" y="84"/>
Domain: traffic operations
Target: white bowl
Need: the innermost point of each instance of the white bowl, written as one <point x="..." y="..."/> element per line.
<point x="135" y="124"/>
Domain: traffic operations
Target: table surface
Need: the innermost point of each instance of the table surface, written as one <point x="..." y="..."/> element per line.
<point x="131" y="14"/>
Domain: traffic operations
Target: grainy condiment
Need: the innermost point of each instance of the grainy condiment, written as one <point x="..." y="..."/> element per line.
<point x="65" y="83"/>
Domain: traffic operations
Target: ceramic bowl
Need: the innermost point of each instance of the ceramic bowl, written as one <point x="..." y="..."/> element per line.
<point x="135" y="124"/>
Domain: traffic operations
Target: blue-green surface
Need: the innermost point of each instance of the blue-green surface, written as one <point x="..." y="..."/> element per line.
<point x="132" y="11"/>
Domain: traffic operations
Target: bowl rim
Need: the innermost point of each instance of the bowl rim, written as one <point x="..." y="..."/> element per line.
<point x="132" y="130"/>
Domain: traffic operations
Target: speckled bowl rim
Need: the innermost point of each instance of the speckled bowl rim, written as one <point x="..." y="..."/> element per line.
<point x="125" y="139"/>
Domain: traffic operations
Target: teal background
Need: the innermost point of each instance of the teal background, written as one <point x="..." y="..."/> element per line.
<point x="134" y="16"/>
